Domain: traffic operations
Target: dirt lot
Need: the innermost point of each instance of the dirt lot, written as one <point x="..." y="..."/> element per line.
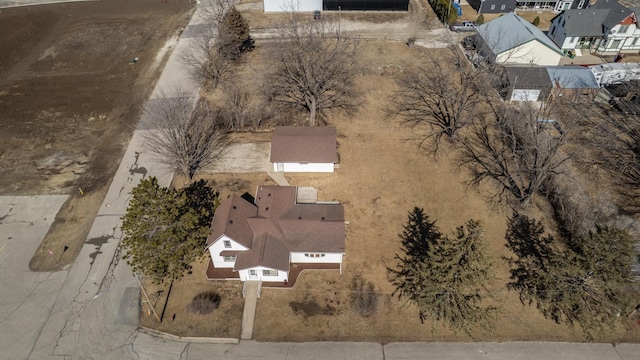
<point x="382" y="176"/>
<point x="69" y="100"/>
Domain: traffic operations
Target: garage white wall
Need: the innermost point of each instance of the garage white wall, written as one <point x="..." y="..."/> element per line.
<point x="292" y="5"/>
<point x="303" y="167"/>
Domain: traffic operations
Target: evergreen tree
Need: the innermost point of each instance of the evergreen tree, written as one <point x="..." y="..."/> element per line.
<point x="536" y="21"/>
<point x="587" y="283"/>
<point x="234" y="35"/>
<point x="480" y="19"/>
<point x="444" y="276"/>
<point x="165" y="230"/>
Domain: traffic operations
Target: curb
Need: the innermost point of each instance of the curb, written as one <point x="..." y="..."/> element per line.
<point x="187" y="339"/>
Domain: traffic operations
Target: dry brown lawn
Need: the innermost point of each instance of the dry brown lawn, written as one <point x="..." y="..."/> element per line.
<point x="469" y="14"/>
<point x="382" y="175"/>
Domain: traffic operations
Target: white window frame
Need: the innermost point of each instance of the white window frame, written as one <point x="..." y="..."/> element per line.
<point x="502" y="7"/>
<point x="231" y="258"/>
<point x="227" y="244"/>
<point x="493" y="7"/>
<point x="269" y="272"/>
<point x="314" y="255"/>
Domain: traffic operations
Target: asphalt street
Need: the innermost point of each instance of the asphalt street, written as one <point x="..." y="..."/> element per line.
<point x="90" y="310"/>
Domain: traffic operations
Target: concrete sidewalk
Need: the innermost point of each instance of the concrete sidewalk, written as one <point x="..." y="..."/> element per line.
<point x="251" y="293"/>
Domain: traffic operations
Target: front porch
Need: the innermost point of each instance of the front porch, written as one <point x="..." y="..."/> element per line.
<point x="294" y="271"/>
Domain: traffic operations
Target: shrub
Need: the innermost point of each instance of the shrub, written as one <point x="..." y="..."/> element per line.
<point x="480" y="19"/>
<point x="364" y="298"/>
<point x="536" y="21"/>
<point x="205" y="302"/>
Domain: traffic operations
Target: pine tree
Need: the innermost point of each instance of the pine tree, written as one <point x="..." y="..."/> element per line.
<point x="444" y="277"/>
<point x="165" y="230"/>
<point x="234" y="35"/>
<point x="536" y="21"/>
<point x="586" y="283"/>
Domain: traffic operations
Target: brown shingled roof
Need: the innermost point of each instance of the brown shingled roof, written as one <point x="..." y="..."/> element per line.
<point x="277" y="225"/>
<point x="230" y="219"/>
<point x="311" y="144"/>
<point x="266" y="251"/>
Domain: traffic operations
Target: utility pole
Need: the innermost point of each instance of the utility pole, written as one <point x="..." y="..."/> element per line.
<point x="339" y="8"/>
<point x="146" y="296"/>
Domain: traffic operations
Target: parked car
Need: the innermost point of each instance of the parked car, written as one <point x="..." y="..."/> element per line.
<point x="464" y="26"/>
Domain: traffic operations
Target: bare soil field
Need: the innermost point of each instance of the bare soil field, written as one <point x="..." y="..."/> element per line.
<point x="70" y="99"/>
<point x="382" y="175"/>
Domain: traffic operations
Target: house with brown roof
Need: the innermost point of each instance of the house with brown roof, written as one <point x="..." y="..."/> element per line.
<point x="304" y="149"/>
<point x="265" y="239"/>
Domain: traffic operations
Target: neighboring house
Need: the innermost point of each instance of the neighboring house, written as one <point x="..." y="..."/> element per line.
<point x="304" y="149"/>
<point x="615" y="73"/>
<point x="264" y="239"/>
<point x="335" y="5"/>
<point x="527" y="83"/>
<point x="606" y="27"/>
<point x="561" y="5"/>
<point x="512" y="40"/>
<point x="572" y="82"/>
<point x="493" y="6"/>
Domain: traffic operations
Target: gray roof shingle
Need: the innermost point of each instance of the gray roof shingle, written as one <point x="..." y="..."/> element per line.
<point x="510" y="31"/>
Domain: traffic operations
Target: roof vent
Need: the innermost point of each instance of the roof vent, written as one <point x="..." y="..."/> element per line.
<point x="299" y="217"/>
<point x="266" y="209"/>
<point x="230" y="221"/>
<point x="322" y="218"/>
<point x="234" y="206"/>
<point x="269" y="195"/>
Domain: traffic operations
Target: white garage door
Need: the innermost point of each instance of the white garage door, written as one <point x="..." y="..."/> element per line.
<point x="525" y="95"/>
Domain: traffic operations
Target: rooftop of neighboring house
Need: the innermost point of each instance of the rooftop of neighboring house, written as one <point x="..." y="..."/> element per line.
<point x="584" y="22"/>
<point x="528" y="77"/>
<point x="572" y="77"/>
<point x="510" y="31"/>
<point x="314" y="144"/>
<point x="617" y="12"/>
<point x="276" y="225"/>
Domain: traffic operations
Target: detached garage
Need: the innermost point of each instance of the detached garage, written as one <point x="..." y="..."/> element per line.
<point x="304" y="149"/>
<point x="335" y="5"/>
<point x="527" y="83"/>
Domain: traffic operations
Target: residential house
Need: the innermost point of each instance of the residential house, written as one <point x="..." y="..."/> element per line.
<point x="576" y="83"/>
<point x="527" y="83"/>
<point x="335" y="5"/>
<point x="606" y="27"/>
<point x="304" y="149"/>
<point x="493" y="6"/>
<point x="615" y="73"/>
<point x="266" y="239"/>
<point x="512" y="40"/>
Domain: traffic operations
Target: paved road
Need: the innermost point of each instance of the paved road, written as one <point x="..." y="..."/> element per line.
<point x="90" y="310"/>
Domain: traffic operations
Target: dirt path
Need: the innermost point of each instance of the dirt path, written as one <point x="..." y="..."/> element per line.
<point x="70" y="95"/>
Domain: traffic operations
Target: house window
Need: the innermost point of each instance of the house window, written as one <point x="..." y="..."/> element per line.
<point x="553" y="29"/>
<point x="227" y="244"/>
<point x="493" y="7"/>
<point x="563" y="21"/>
<point x="623" y="29"/>
<point x="615" y="44"/>
<point x="313" y="255"/>
<point x="269" y="272"/>
<point x="502" y="7"/>
<point x="229" y="258"/>
<point x="581" y="4"/>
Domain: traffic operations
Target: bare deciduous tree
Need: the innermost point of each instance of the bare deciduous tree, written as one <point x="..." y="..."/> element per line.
<point x="206" y="60"/>
<point x="186" y="137"/>
<point x="517" y="153"/>
<point x="314" y="69"/>
<point x="444" y="95"/>
<point x="238" y="102"/>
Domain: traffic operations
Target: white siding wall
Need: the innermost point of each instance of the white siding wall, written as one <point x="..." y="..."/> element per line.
<point x="292" y="5"/>
<point x="532" y="52"/>
<point x="305" y="167"/>
<point x="218" y="246"/>
<point x="328" y="258"/>
<point x="245" y="275"/>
